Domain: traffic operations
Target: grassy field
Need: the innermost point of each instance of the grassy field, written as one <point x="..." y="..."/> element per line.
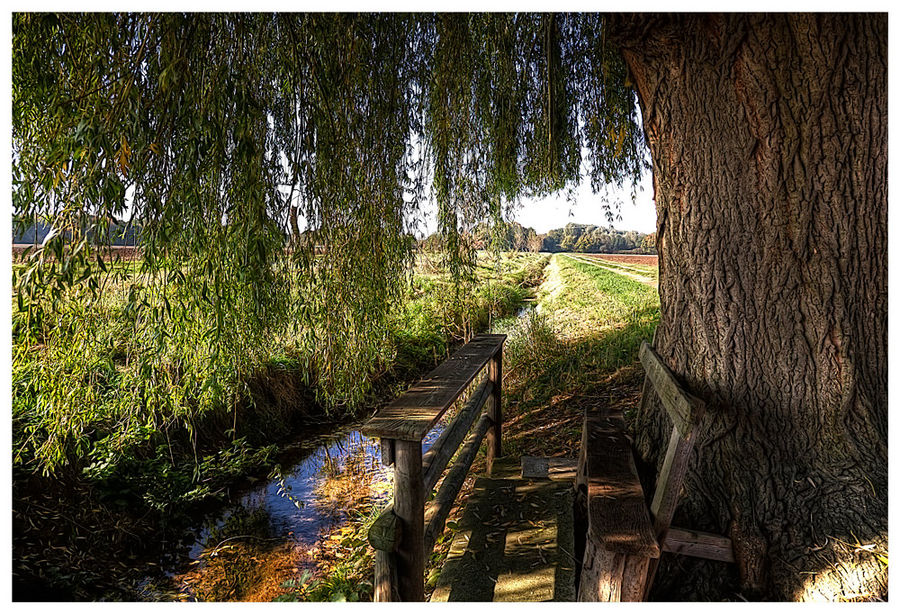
<point x="577" y="350"/>
<point x="633" y="269"/>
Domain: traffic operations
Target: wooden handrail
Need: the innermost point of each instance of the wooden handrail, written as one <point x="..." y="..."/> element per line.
<point x="399" y="534"/>
<point x="384" y="533"/>
<point x="439" y="509"/>
<point x="412" y="415"/>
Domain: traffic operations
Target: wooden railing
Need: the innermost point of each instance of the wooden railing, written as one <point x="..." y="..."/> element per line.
<point x="406" y="531"/>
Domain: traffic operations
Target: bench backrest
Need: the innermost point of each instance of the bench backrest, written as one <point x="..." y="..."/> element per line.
<point x="686" y="411"/>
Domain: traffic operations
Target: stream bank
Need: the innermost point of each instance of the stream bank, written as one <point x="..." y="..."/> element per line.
<point x="90" y="544"/>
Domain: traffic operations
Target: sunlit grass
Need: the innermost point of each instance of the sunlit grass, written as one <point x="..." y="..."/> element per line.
<point x="586" y="329"/>
<point x="583" y="298"/>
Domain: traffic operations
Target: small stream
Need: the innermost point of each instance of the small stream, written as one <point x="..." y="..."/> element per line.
<point x="306" y="501"/>
<point x="341" y="473"/>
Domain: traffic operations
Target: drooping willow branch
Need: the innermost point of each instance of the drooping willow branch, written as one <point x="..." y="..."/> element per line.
<point x="212" y="132"/>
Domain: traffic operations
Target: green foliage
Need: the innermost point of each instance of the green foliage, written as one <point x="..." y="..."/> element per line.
<point x="434" y="316"/>
<point x="648" y="244"/>
<point x="588" y="238"/>
<point x="80" y="399"/>
<point x="579" y="238"/>
<point x="214" y="134"/>
<point x="505" y="236"/>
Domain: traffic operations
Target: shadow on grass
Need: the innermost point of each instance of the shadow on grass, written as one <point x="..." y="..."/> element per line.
<point x="551" y="382"/>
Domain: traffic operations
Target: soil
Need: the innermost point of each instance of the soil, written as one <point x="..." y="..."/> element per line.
<point x="649" y="259"/>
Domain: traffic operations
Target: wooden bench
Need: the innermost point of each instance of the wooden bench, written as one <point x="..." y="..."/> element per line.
<point x="624" y="539"/>
<point x="406" y="531"/>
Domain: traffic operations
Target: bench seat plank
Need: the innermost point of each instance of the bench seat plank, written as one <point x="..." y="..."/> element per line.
<point x="415" y="412"/>
<point x="699" y="543"/>
<point x="618" y="520"/>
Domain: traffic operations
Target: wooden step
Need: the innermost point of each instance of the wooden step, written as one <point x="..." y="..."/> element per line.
<point x="515" y="542"/>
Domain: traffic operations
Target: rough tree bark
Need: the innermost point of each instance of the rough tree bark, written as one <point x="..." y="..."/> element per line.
<point x="768" y="135"/>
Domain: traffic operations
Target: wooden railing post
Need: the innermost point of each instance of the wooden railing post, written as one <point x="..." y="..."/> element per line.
<point x="399" y="535"/>
<point x="385" y="577"/>
<point x="495" y="412"/>
<point x="409" y="506"/>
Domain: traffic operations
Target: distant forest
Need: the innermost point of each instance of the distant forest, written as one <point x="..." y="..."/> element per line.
<point x="583" y="238"/>
<point x="510" y="236"/>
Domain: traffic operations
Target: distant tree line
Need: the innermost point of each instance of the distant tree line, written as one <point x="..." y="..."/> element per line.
<point x="582" y="238"/>
<point x="588" y="238"/>
<point x="111" y="233"/>
<point x="509" y="236"/>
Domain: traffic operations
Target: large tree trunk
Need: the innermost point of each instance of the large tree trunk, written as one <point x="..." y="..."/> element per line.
<point x="769" y="142"/>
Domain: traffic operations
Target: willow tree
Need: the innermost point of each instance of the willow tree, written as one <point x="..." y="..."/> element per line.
<point x="767" y="141"/>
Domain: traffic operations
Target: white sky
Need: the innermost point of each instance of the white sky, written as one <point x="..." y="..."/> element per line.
<point x="587" y="208"/>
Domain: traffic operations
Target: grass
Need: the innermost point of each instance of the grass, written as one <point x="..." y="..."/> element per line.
<point x="584" y="300"/>
<point x="575" y="351"/>
<point x="644" y="270"/>
<point x="149" y="467"/>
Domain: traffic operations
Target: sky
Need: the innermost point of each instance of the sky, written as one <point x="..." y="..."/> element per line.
<point x="584" y="207"/>
<point x="587" y="208"/>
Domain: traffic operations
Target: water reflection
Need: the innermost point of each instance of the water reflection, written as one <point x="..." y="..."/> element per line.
<point x="291" y="511"/>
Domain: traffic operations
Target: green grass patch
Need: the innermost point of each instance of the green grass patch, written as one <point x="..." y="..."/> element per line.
<point x="588" y="324"/>
<point x="584" y="298"/>
<point x="651" y="273"/>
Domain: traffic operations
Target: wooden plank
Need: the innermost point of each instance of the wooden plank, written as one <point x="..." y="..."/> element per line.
<point x="617" y="512"/>
<point x="416" y="411"/>
<point x="668" y="487"/>
<point x="634" y="578"/>
<point x="495" y="410"/>
<point x="601" y="574"/>
<point x="553" y="468"/>
<point x="439" y="508"/>
<point x="409" y="502"/>
<point x="384" y="532"/>
<point x="684" y="408"/>
<point x="435" y="460"/>
<point x="670" y="480"/>
<point x="698" y="543"/>
<point x="535" y="467"/>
